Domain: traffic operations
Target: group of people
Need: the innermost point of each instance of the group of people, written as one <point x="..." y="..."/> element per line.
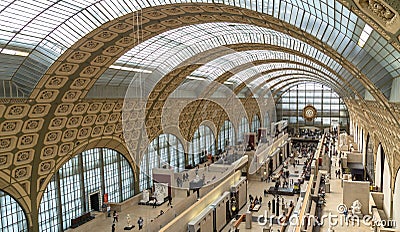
<point x="179" y="181"/>
<point x="255" y="201"/>
<point x="140" y="221"/>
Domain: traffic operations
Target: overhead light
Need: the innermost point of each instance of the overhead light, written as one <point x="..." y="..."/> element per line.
<point x="14" y="52"/>
<point x="364" y="35"/>
<point x="130" y="69"/>
<point x="195" y="78"/>
<point x="228" y="83"/>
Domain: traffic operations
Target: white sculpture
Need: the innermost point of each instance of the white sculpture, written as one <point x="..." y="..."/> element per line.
<point x="146" y="195"/>
<point x="128" y="220"/>
<point x="356" y="208"/>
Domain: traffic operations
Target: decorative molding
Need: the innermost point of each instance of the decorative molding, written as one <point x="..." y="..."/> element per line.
<point x="16" y="111"/>
<point x="49" y="152"/>
<point x="52" y="137"/>
<point x="56" y="82"/>
<point x="33" y="125"/>
<point x="7" y="143"/>
<point x="46" y="166"/>
<point x="382" y="13"/>
<point x="57" y="123"/>
<point x="65" y="148"/>
<point x="6" y="159"/>
<point x="10" y="127"/>
<point x="92" y="46"/>
<point x="22" y="173"/>
<point x="24" y="157"/>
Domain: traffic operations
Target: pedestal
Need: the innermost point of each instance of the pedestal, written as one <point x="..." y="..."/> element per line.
<point x="248" y="222"/>
<point x="129" y="227"/>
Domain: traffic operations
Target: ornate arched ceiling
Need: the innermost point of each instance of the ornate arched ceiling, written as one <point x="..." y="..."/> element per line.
<point x="40" y="33"/>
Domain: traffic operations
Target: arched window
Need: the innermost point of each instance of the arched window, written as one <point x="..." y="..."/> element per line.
<point x="226" y="136"/>
<point x="92" y="173"/>
<point x="255" y="124"/>
<point x="12" y="217"/>
<point x="369" y="159"/>
<point x="164" y="151"/>
<point x="203" y="142"/>
<point x="243" y="128"/>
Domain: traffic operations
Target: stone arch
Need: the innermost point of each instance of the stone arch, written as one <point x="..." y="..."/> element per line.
<point x="23" y="201"/>
<point x="103" y="142"/>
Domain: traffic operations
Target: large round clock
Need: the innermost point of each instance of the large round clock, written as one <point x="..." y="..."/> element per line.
<point x="309" y="113"/>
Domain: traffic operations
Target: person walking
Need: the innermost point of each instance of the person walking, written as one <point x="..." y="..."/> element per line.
<point x="169" y="201"/>
<point x="140" y="223"/>
<point x="269" y="205"/>
<point x="115" y="216"/>
<point x="113" y="228"/>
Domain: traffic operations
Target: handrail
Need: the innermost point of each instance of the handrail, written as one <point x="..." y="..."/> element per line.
<point x="304" y="206"/>
<point x="240" y="219"/>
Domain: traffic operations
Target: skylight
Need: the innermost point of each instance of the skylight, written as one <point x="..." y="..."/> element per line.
<point x="130" y="69"/>
<point x="13" y="52"/>
<point x="364" y="35"/>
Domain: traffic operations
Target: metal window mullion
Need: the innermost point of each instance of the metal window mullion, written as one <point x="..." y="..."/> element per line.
<point x="120" y="177"/>
<point x="102" y="166"/>
<point x="59" y="202"/>
<point x="81" y="182"/>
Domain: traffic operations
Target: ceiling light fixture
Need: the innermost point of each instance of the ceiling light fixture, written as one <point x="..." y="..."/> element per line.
<point x="196" y="78"/>
<point x="130" y="69"/>
<point x="14" y="52"/>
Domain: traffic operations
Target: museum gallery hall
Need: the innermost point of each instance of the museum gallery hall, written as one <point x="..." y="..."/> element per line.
<point x="199" y="115"/>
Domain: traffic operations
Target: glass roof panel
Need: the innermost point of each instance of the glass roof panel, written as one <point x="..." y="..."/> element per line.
<point x="179" y="45"/>
<point x="47" y="28"/>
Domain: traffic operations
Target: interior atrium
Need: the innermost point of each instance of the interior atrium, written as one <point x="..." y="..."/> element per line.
<point x="174" y="115"/>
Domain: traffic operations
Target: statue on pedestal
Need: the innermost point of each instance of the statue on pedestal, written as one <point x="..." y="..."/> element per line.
<point x="128" y="220"/>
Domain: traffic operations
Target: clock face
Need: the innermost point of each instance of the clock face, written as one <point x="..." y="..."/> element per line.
<point x="309" y="113"/>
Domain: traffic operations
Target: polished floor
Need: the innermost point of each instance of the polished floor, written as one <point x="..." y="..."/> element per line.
<point x="255" y="188"/>
<point x="333" y="199"/>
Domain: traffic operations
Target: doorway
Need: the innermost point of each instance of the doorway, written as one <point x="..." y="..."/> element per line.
<point x="94" y="201"/>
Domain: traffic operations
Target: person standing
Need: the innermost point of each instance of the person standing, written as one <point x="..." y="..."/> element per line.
<point x="169" y="201"/>
<point x="113" y="228"/>
<point x="108" y="211"/>
<point x="155" y="203"/>
<point x="115" y="216"/>
<point x="140" y="223"/>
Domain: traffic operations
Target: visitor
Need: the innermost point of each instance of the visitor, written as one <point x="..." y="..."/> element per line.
<point x="169" y="201"/>
<point x="265" y="192"/>
<point x="140" y="223"/>
<point x="115" y="216"/>
<point x="113" y="228"/>
<point x="269" y="205"/>
<point x="155" y="203"/>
